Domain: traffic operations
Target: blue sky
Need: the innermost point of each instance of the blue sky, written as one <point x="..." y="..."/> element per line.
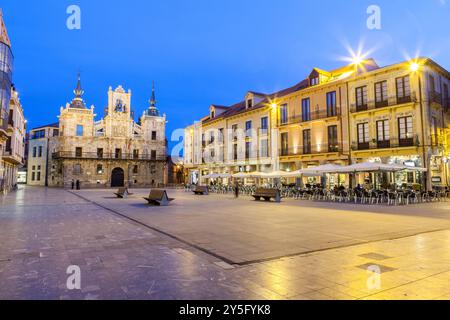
<point x="201" y="52"/>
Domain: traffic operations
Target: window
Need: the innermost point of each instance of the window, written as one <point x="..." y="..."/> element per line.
<point x="363" y="136"/>
<point x="153" y="154"/>
<point x="249" y="103"/>
<point x="446" y="100"/>
<point x="307" y="141"/>
<point x="264" y="125"/>
<point x="135" y="169"/>
<point x="234" y="129"/>
<point x="77" y="169"/>
<point x="220" y="137"/>
<point x="284" y="144"/>
<point x="153" y="135"/>
<point x="38" y="176"/>
<point x="152" y="169"/>
<point x="79" y="130"/>
<point x="306" y="109"/>
<point x="381" y="97"/>
<point x="235" y="151"/>
<point x="248" y="129"/>
<point x="432" y="83"/>
<point x="383" y="135"/>
<point x="40" y="152"/>
<point x="314" y="81"/>
<point x="332" y="139"/>
<point x="118" y="153"/>
<point x="331" y="104"/>
<point x="403" y="90"/>
<point x="55" y="132"/>
<point x="99" y="169"/>
<point x="405" y="131"/>
<point x="248" y="148"/>
<point x="135" y="154"/>
<point x="34" y="152"/>
<point x="33" y="176"/>
<point x="78" y="152"/>
<point x="100" y="153"/>
<point x="38" y="134"/>
<point x="284" y="114"/>
<point x="212" y="138"/>
<point x="361" y="98"/>
<point x="264" y="148"/>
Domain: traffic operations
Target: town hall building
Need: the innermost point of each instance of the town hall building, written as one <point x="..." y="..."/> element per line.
<point x="114" y="151"/>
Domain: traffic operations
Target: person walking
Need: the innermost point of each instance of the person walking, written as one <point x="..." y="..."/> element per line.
<point x="78" y="185"/>
<point x="73" y="184"/>
<point x="236" y="189"/>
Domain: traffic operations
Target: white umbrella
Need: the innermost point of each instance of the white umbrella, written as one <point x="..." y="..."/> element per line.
<point x="420" y="169"/>
<point x="224" y="175"/>
<point x="240" y="175"/>
<point x="321" y="170"/>
<point x="276" y="174"/>
<point x="255" y="174"/>
<point x="370" y="167"/>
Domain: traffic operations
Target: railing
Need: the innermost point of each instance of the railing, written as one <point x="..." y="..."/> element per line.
<point x="310" y="150"/>
<point x="389" y="102"/>
<point x="3" y="124"/>
<point x="386" y="144"/>
<point x="435" y="97"/>
<point x="312" y="116"/>
<point x="105" y="156"/>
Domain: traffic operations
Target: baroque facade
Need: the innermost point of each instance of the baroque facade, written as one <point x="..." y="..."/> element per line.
<point x="111" y="152"/>
<point x="360" y="112"/>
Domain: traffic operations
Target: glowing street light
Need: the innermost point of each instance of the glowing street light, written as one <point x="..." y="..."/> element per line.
<point x="414" y="66"/>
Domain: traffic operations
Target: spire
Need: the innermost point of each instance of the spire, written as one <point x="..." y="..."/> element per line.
<point x="78" y="90"/>
<point x="152" y="110"/>
<point x="3" y="33"/>
<point x="153" y="98"/>
<point x="78" y="102"/>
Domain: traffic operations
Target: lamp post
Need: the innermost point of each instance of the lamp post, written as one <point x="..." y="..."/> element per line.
<point x="414" y="68"/>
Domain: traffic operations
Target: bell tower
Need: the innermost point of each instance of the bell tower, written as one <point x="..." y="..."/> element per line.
<point x="118" y="121"/>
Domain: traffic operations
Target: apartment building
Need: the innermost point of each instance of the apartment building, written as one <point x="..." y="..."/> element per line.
<point x="360" y="112"/>
<point x="400" y="114"/>
<point x="14" y="152"/>
<point x="38" y="153"/>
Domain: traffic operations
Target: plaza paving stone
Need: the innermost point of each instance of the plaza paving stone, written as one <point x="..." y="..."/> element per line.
<point x="293" y="250"/>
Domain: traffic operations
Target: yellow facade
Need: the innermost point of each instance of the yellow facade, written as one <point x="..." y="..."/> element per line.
<point x="361" y="112"/>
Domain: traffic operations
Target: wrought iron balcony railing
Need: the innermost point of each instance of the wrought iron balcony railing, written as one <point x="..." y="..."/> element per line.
<point x="388" y="102"/>
<point x="105" y="156"/>
<point x="310" y="150"/>
<point x="311" y="116"/>
<point x="385" y="144"/>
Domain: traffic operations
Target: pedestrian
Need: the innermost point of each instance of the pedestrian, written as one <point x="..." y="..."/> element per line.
<point x="236" y="189"/>
<point x="78" y="185"/>
<point x="73" y="184"/>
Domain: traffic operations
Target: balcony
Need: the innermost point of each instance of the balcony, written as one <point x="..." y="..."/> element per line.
<point x="312" y="149"/>
<point x="389" y="102"/>
<point x="435" y="97"/>
<point x="386" y="144"/>
<point x="3" y="126"/>
<point x="10" y="156"/>
<point x="312" y="116"/>
<point x="105" y="156"/>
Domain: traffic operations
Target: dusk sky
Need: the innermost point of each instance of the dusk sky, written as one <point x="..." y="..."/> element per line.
<point x="201" y="52"/>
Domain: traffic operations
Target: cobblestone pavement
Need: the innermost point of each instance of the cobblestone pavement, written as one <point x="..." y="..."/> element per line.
<point x="129" y="251"/>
